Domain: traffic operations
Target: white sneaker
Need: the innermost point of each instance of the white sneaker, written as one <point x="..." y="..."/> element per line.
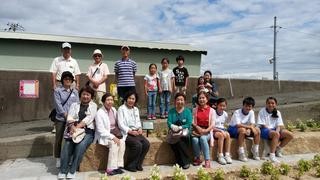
<point x="53" y="130"/>
<point x="242" y="157"/>
<point x="279" y="153"/>
<point x="273" y="159"/>
<point x="58" y="163"/>
<point x="228" y="159"/>
<point x="255" y="154"/>
<point x="71" y="176"/>
<point x="221" y="160"/>
<point x="61" y="176"/>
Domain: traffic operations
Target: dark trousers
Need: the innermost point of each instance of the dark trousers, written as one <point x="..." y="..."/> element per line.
<point x="137" y="148"/>
<point x="180" y="150"/>
<point x="123" y="90"/>
<point x="60" y="126"/>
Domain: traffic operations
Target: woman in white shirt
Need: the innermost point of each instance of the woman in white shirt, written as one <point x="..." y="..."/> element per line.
<point x="129" y="122"/>
<point x="80" y="117"/>
<point x="109" y="134"/>
<point x="272" y="128"/>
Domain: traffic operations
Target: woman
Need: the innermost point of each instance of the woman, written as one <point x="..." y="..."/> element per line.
<point x="109" y="134"/>
<point x="213" y="89"/>
<point x="81" y="116"/>
<point x="64" y="96"/>
<point x="180" y="118"/>
<point x="272" y="128"/>
<point x="137" y="145"/>
<point x="220" y="132"/>
<point x="203" y="122"/>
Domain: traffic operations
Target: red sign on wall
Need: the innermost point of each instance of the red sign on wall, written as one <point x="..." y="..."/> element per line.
<point x="29" y="89"/>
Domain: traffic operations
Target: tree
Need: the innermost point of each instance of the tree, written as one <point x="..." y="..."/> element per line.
<point x="14" y="27"/>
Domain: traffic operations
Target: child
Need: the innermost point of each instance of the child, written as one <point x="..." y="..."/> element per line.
<point x="220" y="133"/>
<point x="181" y="76"/>
<point x="271" y="126"/>
<point x="242" y="125"/>
<point x="166" y="83"/>
<point x="200" y="87"/>
<point x="151" y="87"/>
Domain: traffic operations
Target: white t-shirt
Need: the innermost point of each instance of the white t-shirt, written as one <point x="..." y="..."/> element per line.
<point x="60" y="65"/>
<point x="239" y="118"/>
<point x="102" y="71"/>
<point x="264" y="118"/>
<point x="220" y="120"/>
<point x="152" y="82"/>
<point x="165" y="77"/>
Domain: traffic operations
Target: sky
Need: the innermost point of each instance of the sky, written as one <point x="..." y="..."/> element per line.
<point x="236" y="33"/>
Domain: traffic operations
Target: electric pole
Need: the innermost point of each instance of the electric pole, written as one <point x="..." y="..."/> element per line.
<point x="274" y="61"/>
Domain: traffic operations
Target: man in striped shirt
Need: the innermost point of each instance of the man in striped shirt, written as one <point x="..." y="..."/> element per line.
<point x="125" y="70"/>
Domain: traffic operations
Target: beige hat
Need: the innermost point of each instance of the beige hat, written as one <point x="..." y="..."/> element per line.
<point x="125" y="47"/>
<point x="97" y="51"/>
<point x="78" y="135"/>
<point x="66" y="45"/>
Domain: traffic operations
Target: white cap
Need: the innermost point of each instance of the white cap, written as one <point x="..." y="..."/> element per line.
<point x="125" y="46"/>
<point x="97" y="51"/>
<point x="66" y="45"/>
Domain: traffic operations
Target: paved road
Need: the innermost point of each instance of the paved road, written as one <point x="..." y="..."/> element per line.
<point x="44" y="168"/>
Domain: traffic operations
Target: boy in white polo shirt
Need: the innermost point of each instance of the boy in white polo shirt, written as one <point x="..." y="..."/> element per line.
<point x="272" y="128"/>
<point x="242" y="125"/>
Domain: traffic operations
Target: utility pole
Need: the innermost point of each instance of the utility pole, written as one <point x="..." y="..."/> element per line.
<point x="274" y="61"/>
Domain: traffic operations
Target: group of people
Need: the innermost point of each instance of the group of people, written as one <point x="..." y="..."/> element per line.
<point x="88" y="115"/>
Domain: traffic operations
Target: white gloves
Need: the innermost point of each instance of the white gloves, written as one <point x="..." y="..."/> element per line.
<point x="175" y="128"/>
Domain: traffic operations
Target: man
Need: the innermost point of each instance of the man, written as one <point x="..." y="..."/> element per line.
<point x="64" y="63"/>
<point x="97" y="75"/>
<point x="61" y="64"/>
<point x="125" y="70"/>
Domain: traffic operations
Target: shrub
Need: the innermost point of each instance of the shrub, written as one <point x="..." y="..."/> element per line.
<point x="284" y="169"/>
<point x="202" y="174"/>
<point x="311" y="123"/>
<point x="126" y="177"/>
<point x="303" y="166"/>
<point x="267" y="168"/>
<point x="302" y="126"/>
<point x="104" y="177"/>
<point x="219" y="174"/>
<point x="318" y="171"/>
<point x="178" y="174"/>
<point x="290" y="126"/>
<point x="275" y="174"/>
<point x="254" y="175"/>
<point x="316" y="160"/>
<point x="244" y="172"/>
<point x="155" y="173"/>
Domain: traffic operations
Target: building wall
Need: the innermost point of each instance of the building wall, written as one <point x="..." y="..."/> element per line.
<point x="15" y="109"/>
<point x="30" y="55"/>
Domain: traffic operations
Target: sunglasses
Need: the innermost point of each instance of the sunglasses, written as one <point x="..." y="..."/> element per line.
<point x="97" y="55"/>
<point x="68" y="79"/>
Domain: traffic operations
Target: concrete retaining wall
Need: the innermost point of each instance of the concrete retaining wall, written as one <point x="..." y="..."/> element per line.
<point x="15" y="109"/>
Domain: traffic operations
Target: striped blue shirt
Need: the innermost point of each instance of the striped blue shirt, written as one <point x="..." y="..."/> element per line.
<point x="125" y="70"/>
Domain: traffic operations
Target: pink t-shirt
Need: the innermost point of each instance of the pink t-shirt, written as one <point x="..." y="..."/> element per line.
<point x="152" y="80"/>
<point x="112" y="119"/>
<point x="102" y="71"/>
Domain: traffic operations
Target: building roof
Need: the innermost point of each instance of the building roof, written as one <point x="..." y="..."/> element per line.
<point x="100" y="41"/>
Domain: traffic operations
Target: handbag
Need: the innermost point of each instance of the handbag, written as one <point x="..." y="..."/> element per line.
<point x="117" y="132"/>
<point x="88" y="82"/>
<point x="174" y="137"/>
<point x="53" y="112"/>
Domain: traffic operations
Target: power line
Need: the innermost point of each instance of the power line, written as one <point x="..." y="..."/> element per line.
<point x="297" y="31"/>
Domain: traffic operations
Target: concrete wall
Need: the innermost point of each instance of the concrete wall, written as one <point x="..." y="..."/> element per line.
<point x="15" y="109"/>
<point x="38" y="55"/>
